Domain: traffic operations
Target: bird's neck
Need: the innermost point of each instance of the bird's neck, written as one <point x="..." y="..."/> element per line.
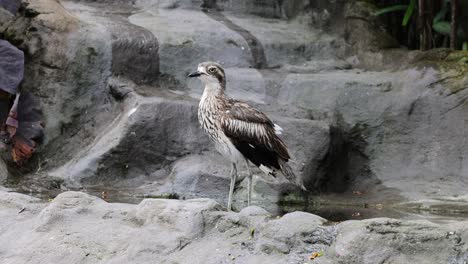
<point x="213" y="89"/>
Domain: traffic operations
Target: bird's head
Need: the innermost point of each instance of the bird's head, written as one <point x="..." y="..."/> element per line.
<point x="211" y="73"/>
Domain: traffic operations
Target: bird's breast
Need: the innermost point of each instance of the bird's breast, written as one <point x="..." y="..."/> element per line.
<point x="208" y="118"/>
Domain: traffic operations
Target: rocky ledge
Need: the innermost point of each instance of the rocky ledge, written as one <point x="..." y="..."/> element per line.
<point x="78" y="228"/>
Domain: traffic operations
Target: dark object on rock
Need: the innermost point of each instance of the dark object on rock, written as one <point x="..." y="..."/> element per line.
<point x="11" y="67"/>
<point x="28" y="131"/>
<point x="23" y="124"/>
<point x="10" y="5"/>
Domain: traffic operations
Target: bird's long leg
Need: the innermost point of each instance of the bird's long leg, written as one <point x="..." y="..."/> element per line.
<point x="231" y="187"/>
<point x="249" y="183"/>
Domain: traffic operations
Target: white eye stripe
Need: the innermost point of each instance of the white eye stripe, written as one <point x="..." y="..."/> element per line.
<point x="201" y="69"/>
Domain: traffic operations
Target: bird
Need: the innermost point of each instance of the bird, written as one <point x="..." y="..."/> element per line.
<point x="240" y="132"/>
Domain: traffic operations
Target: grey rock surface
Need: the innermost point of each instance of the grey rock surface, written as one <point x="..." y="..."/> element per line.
<point x="121" y="114"/>
<point x="5" y="17"/>
<point x="363" y="30"/>
<point x="79" y="228"/>
<point x="3" y="172"/>
<point x="395" y="241"/>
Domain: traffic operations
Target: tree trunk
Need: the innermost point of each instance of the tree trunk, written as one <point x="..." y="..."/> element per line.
<point x="453" y="25"/>
<point x="422" y="26"/>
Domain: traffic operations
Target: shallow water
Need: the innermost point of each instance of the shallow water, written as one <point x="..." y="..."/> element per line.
<point x="338" y="212"/>
<point x="330" y="210"/>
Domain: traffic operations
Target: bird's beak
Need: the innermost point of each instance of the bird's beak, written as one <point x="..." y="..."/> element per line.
<point x="195" y="74"/>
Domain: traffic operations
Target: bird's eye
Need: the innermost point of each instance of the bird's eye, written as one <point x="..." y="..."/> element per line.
<point x="212" y="70"/>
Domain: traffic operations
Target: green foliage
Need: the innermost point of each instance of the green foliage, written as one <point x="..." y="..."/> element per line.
<point x="442" y="27"/>
<point x="409" y="10"/>
<point x="438" y="24"/>
<point x="391" y="9"/>
<point x="441" y="14"/>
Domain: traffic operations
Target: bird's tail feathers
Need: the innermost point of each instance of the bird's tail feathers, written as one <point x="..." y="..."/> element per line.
<point x="290" y="175"/>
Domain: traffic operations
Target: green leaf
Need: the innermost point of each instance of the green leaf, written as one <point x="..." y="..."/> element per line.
<point x="440" y="15"/>
<point x="390" y="9"/>
<point x="252" y="232"/>
<point x="408" y="13"/>
<point x="442" y="27"/>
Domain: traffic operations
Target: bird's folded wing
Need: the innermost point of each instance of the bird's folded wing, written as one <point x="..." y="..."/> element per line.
<point x="242" y="122"/>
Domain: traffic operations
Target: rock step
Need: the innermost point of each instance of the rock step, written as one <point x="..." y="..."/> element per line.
<point x="196" y="36"/>
<point x="265" y="8"/>
<point x="142" y="45"/>
<point x="134" y="49"/>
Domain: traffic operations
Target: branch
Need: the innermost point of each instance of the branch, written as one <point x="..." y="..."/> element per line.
<point x="453" y="26"/>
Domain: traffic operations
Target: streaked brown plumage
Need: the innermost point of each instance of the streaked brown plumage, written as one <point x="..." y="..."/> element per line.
<point x="239" y="131"/>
